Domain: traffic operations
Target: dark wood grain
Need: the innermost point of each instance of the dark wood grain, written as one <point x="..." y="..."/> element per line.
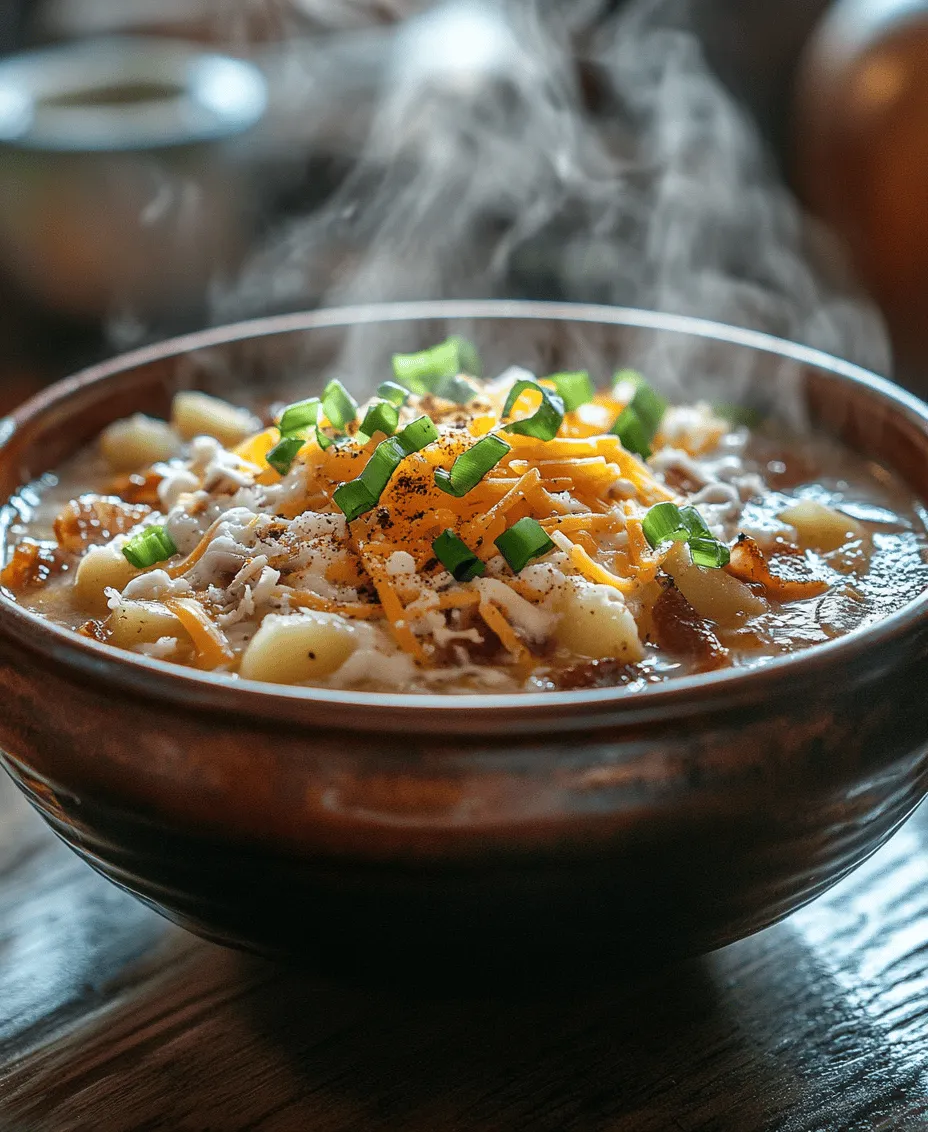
<point x="112" y="1020"/>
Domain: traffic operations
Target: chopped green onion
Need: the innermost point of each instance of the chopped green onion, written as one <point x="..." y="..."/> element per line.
<point x="650" y="407"/>
<point x="282" y="455"/>
<point x="456" y="389"/>
<point x="338" y="405"/>
<point x="300" y="416"/>
<point x="574" y="389"/>
<point x="387" y="457"/>
<point x="361" y="495"/>
<point x="393" y="393"/>
<point x="639" y="421"/>
<point x="152" y="545"/>
<point x="382" y="416"/>
<point x="664" y="523"/>
<point x="295" y="422"/>
<point x="468" y="357"/>
<point x="354" y="499"/>
<point x="709" y="552"/>
<point x="457" y="557"/>
<point x="632" y="432"/>
<point x="695" y="523"/>
<point x="471" y="466"/>
<point x="524" y="541"/>
<point x="420" y="372"/>
<point x="545" y="421"/>
<point x="417" y="434"/>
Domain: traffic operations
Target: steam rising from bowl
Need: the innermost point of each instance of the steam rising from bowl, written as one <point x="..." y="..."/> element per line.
<point x="490" y="170"/>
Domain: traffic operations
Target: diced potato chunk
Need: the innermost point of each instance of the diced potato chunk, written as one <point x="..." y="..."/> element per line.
<point x="142" y="622"/>
<point x="299" y="648"/>
<point x="714" y="594"/>
<point x="197" y="414"/>
<point x="101" y="566"/>
<point x="820" y="527"/>
<point x="595" y="623"/>
<point x="137" y="442"/>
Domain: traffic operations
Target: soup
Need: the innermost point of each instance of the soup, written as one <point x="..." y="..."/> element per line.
<point x="457" y="535"/>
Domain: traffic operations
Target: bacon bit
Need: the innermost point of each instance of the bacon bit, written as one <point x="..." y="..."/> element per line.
<point x="593" y="674"/>
<point x="750" y="565"/>
<point x="137" y="488"/>
<point x="208" y="639"/>
<point x="680" y="630"/>
<point x="96" y="630"/>
<point x="32" y="564"/>
<point x="95" y="519"/>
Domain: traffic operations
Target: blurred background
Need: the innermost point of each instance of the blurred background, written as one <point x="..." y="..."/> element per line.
<point x="171" y="164"/>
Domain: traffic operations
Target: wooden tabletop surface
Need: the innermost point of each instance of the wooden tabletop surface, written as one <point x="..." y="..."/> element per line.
<point x="113" y="1020"/>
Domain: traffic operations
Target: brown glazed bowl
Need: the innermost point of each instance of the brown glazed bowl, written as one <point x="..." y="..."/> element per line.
<point x="456" y="831"/>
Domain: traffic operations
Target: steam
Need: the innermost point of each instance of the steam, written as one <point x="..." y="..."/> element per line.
<point x="487" y="172"/>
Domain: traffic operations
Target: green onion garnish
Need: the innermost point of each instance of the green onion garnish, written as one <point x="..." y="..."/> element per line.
<point x="382" y="416"/>
<point x="545" y="421"/>
<point x="295" y="422"/>
<point x="524" y="541"/>
<point x="417" y="434"/>
<point x="633" y="433"/>
<point x="709" y="552"/>
<point x="456" y="389"/>
<point x="361" y="495"/>
<point x="354" y="499"/>
<point x="282" y="455"/>
<point x="299" y="417"/>
<point x="338" y="404"/>
<point x="457" y="557"/>
<point x="695" y="523"/>
<point x="639" y="421"/>
<point x="574" y="389"/>
<point x="471" y="466"/>
<point x="393" y="393"/>
<point x="420" y="373"/>
<point x="665" y="522"/>
<point x="152" y="545"/>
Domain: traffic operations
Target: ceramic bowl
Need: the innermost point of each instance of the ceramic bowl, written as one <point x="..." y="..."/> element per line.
<point x="456" y="830"/>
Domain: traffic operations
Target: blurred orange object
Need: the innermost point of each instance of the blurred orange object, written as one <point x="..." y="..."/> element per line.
<point x="861" y="148"/>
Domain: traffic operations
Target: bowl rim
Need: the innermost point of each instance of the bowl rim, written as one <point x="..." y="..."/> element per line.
<point x="392" y="712"/>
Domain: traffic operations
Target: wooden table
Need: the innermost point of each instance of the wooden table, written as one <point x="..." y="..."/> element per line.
<point x="112" y="1020"/>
